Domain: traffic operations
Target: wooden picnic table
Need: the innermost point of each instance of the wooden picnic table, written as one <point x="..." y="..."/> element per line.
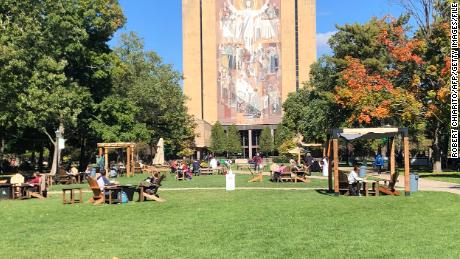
<point x="374" y="184"/>
<point x="113" y="189"/>
<point x="24" y="190"/>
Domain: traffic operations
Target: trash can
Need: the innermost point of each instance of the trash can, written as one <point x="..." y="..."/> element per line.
<point x="129" y="190"/>
<point x="413" y="182"/>
<point x="362" y="171"/>
<point x="230" y="181"/>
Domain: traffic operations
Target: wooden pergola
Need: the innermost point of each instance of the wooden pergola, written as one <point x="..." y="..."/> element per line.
<point x="369" y="133"/>
<point x="129" y="146"/>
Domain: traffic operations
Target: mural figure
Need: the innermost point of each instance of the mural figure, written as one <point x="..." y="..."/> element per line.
<point x="248" y="57"/>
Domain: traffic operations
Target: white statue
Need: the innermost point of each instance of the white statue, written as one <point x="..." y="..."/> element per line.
<point x="246" y="31"/>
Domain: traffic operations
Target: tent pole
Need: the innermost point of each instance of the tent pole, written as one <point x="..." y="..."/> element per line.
<point x="128" y="162"/>
<point x="406" y="166"/>
<point x="336" y="166"/>
<point x="392" y="157"/>
<point x="106" y="160"/>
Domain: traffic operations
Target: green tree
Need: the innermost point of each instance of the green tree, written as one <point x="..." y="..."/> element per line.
<point x="154" y="87"/>
<point x="266" y="144"/>
<point x="218" y="139"/>
<point x="282" y="133"/>
<point x="233" y="140"/>
<point x="431" y="82"/>
<point x="116" y="121"/>
<point x="55" y="60"/>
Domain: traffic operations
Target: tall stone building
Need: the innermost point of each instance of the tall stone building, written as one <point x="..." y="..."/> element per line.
<point x="241" y="60"/>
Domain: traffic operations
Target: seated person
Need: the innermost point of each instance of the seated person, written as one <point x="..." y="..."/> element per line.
<point x="186" y="171"/>
<point x="90" y="171"/>
<point x="35" y="182"/>
<point x="354" y="182"/>
<point x="294" y="166"/>
<point x="174" y="166"/>
<point x="152" y="183"/>
<point x="102" y="180"/>
<point x="73" y="171"/>
<point x="113" y="172"/>
<point x="277" y="173"/>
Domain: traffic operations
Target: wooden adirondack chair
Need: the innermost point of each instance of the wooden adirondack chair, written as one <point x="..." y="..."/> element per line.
<point x="152" y="195"/>
<point x="98" y="195"/>
<point x="256" y="177"/>
<point x="16" y="180"/>
<point x="41" y="188"/>
<point x="389" y="185"/>
<point x="180" y="174"/>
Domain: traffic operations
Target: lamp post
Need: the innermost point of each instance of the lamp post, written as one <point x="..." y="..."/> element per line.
<point x="58" y="150"/>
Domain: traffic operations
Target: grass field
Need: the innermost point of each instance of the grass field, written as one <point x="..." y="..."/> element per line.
<point x="241" y="224"/>
<point x="208" y="181"/>
<point x="451" y="177"/>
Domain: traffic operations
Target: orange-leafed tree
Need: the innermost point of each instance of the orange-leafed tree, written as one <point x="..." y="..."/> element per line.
<point x="372" y="98"/>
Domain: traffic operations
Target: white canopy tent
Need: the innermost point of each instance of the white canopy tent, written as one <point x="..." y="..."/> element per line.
<point x="159" y="158"/>
<point x="369" y="133"/>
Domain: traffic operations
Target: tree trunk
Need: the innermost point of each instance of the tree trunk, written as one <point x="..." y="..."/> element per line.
<point x="40" y="157"/>
<point x="437" y="166"/>
<point x="32" y="158"/>
<point x="2" y="150"/>
<point x="57" y="151"/>
<point x="152" y="151"/>
<point x="83" y="160"/>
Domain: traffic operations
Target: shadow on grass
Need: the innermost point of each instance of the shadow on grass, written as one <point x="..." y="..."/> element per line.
<point x="324" y="192"/>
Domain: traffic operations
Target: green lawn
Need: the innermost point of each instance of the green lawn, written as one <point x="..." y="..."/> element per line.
<point x="451" y="177"/>
<point x="239" y="224"/>
<point x="208" y="181"/>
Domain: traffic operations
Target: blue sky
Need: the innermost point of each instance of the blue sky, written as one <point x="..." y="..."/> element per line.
<point x="159" y="22"/>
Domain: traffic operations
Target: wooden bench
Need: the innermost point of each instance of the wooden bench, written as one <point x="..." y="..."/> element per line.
<point x="206" y="171"/>
<point x="241" y="163"/>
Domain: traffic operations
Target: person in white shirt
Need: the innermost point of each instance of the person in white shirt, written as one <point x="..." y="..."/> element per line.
<point x="354" y="182"/>
<point x="213" y="163"/>
<point x="325" y="166"/>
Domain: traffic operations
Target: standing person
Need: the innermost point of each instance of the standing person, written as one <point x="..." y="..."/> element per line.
<point x="196" y="167"/>
<point x="100" y="162"/>
<point x="378" y="162"/>
<point x="213" y="164"/>
<point x="354" y="182"/>
<point x="308" y="160"/>
<point x="257" y="159"/>
<point x="325" y="165"/>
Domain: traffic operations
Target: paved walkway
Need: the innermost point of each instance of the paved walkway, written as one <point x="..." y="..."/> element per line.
<point x="426" y="184"/>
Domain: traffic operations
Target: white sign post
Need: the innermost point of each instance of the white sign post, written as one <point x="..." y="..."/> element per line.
<point x="230" y="181"/>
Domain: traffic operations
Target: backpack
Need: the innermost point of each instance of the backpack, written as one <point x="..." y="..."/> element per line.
<point x="124" y="197"/>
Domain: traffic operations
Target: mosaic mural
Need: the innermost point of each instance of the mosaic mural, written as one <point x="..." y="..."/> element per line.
<point x="248" y="61"/>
